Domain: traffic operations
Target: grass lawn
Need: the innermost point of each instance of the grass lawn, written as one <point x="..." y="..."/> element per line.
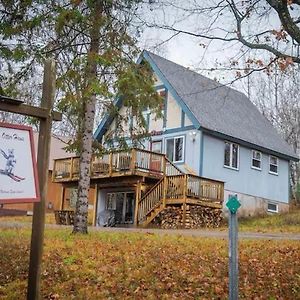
<point x="107" y="265"/>
<point x="288" y="222"/>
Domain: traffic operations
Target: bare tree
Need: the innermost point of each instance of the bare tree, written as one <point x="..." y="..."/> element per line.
<point x="264" y="36"/>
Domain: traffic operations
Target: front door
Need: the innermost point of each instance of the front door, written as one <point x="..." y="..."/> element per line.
<point x="123" y="207"/>
<point x="155" y="163"/>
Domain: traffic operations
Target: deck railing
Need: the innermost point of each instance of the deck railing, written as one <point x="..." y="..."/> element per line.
<point x="112" y="163"/>
<point x="204" y="188"/>
<point x="183" y="188"/>
<point x="191" y="186"/>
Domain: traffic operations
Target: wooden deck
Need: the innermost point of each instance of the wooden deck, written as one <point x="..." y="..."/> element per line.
<point x="167" y="184"/>
<point x="115" y="164"/>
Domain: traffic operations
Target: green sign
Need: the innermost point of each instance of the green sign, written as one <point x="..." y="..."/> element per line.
<point x="233" y="204"/>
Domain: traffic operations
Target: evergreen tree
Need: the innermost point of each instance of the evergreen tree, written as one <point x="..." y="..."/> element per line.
<point x="94" y="48"/>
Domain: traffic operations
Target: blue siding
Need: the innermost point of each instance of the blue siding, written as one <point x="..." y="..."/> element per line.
<point x="191" y="148"/>
<point x="246" y="180"/>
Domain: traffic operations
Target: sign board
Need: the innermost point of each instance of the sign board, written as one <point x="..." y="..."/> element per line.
<point x="18" y="171"/>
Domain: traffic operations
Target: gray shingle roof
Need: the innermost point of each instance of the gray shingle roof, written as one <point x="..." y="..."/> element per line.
<point x="221" y="109"/>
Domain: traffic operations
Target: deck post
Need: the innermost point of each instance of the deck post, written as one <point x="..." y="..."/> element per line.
<point x="165" y="187"/>
<point x="138" y="191"/>
<point x="184" y="200"/>
<point x="110" y="164"/>
<point x="95" y="206"/>
<point x="62" y="198"/>
<point x="164" y="165"/>
<point x="133" y="159"/>
<point x="71" y="168"/>
<point x="53" y="170"/>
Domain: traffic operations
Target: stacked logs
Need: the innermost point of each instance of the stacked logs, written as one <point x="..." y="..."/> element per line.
<point x="169" y="218"/>
<point x="196" y="217"/>
<point x="199" y="217"/>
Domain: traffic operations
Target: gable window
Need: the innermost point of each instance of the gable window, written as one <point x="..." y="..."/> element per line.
<point x="175" y="149"/>
<point x="273" y="165"/>
<point x="231" y="155"/>
<point x="256" y="160"/>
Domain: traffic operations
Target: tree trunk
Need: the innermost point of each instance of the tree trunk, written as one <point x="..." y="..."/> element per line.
<point x="81" y="213"/>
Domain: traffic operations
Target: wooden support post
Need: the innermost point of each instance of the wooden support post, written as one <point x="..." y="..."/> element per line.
<point x="62" y="197"/>
<point x="165" y="190"/>
<point x="38" y="221"/>
<point x="184" y="200"/>
<point x="95" y="207"/>
<point x="138" y="194"/>
<point x="164" y="165"/>
<point x="133" y="159"/>
<point x="110" y="164"/>
<point x="71" y="169"/>
<point x="54" y="170"/>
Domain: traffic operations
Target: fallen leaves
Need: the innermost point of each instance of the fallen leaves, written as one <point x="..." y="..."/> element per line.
<point x="141" y="266"/>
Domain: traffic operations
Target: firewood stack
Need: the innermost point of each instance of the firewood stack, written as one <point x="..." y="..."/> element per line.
<point x="196" y="217"/>
<point x="199" y="217"/>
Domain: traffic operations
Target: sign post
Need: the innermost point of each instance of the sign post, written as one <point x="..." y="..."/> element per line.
<point x="233" y="205"/>
<point x="38" y="221"/>
<point x="45" y="115"/>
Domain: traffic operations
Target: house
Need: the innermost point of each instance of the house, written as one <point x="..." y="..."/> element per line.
<point x="54" y="190"/>
<point x="211" y="142"/>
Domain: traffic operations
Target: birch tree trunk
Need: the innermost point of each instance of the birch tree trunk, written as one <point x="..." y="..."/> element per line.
<point x="89" y="105"/>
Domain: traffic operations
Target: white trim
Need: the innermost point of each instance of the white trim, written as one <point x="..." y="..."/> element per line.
<point x="230" y="157"/>
<point x="260" y="160"/>
<point x="231" y="168"/>
<point x="272" y="210"/>
<point x="277" y="165"/>
<point x="183" y="147"/>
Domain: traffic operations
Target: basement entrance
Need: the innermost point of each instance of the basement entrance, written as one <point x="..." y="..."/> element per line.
<point x="122" y="206"/>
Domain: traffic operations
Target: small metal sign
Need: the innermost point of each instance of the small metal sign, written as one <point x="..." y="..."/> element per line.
<point x="233" y="204"/>
<point x="18" y="171"/>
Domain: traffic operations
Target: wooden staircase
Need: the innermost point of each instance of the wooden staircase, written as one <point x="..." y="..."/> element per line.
<point x="177" y="188"/>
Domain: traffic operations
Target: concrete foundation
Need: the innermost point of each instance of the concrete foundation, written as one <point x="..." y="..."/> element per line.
<point x="253" y="206"/>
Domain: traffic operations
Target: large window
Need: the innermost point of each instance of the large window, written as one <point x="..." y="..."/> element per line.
<point x="231" y="155"/>
<point x="273" y="165"/>
<point x="256" y="160"/>
<point x="175" y="149"/>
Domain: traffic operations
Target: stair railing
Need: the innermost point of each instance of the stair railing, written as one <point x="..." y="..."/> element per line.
<point x="150" y="200"/>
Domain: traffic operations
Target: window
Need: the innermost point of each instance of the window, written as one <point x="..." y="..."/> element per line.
<point x="273" y="165"/>
<point x="156" y="146"/>
<point x="256" y="160"/>
<point x="175" y="149"/>
<point x="231" y="155"/>
<point x="272" y="207"/>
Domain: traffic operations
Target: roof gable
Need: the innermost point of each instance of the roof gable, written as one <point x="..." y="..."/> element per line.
<point x="107" y="119"/>
<point x="221" y="109"/>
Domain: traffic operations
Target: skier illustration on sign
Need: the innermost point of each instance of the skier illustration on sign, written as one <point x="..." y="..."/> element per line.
<point x="10" y="164"/>
<point x="10" y="160"/>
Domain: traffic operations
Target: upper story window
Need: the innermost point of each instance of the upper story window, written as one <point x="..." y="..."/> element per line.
<point x="231" y="155"/>
<point x="256" y="160"/>
<point x="273" y="160"/>
<point x="175" y="149"/>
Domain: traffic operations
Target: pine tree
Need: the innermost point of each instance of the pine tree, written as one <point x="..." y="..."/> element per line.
<point x="94" y="49"/>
